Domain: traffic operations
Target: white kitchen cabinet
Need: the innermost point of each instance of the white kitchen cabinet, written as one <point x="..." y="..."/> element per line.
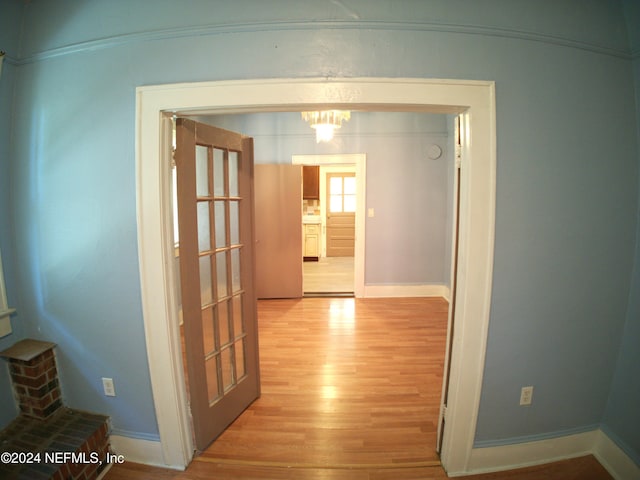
<point x="311" y="241"/>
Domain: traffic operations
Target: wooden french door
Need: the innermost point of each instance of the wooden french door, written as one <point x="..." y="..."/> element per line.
<point x="341" y="214"/>
<point x="215" y="213"/>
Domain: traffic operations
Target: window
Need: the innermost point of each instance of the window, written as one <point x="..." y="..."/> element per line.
<point x="342" y="193"/>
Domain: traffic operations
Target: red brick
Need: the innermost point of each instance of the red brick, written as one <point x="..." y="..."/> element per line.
<point x="55" y="393"/>
<point x="47" y="365"/>
<point x="34" y="393"/>
<point x="52" y="374"/>
<point x="26" y="381"/>
<point x="31" y="372"/>
<point x="46" y="401"/>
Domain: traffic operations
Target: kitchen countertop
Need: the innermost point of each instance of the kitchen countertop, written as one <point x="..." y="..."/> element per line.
<point x="311" y="219"/>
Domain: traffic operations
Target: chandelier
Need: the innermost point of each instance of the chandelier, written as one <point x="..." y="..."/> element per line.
<point x="325" y="122"/>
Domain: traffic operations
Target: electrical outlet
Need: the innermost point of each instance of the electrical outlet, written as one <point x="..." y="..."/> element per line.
<point x="526" y="395"/>
<point x="107" y="385"/>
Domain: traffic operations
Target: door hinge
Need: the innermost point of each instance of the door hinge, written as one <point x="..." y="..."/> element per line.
<point x="443" y="409"/>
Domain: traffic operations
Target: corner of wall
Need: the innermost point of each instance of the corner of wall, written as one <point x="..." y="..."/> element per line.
<point x="597" y="442"/>
<point x="614" y="455"/>
<point x="136" y="450"/>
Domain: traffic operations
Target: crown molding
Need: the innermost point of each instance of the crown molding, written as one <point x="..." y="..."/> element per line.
<point x="213" y="30"/>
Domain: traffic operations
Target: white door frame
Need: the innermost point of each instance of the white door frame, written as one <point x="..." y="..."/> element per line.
<point x="359" y="162"/>
<point x="476" y="99"/>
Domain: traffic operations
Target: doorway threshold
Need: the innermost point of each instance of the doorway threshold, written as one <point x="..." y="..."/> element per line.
<point x="328" y="294"/>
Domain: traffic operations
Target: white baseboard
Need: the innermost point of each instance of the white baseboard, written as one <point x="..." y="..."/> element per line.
<point x="483" y="460"/>
<point x="426" y="290"/>
<point x="614" y="459"/>
<point x="519" y="455"/>
<point x="147" y="452"/>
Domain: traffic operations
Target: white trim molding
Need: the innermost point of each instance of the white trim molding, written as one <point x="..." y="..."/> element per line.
<point x="359" y="163"/>
<point x="475" y="100"/>
<point x="5" y="311"/>
<point x="137" y="450"/>
<point x="519" y="455"/>
<point x="614" y="459"/>
<point x="133" y="38"/>
<point x="425" y="290"/>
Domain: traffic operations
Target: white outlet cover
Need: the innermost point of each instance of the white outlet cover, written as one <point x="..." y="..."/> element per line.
<point x="526" y="395"/>
<point x="109" y="389"/>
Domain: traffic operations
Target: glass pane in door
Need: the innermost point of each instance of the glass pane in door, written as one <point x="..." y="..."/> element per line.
<point x="240" y="367"/>
<point x="211" y="369"/>
<point x="226" y="360"/>
<point x="206" y="290"/>
<point x="218" y="172"/>
<point x="204" y="227"/>
<point x="235" y="270"/>
<point x="238" y="325"/>
<point x="208" y="331"/>
<point x="221" y="274"/>
<point x="233" y="174"/>
<point x="335" y="186"/>
<point x="349" y="185"/>
<point x="202" y="171"/>
<point x="335" y="203"/>
<point x="350" y="203"/>
<point x="234" y="222"/>
<point x="221" y="224"/>
<point x="223" y="322"/>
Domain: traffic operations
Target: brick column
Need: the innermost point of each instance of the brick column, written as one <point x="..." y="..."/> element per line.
<point x="32" y="364"/>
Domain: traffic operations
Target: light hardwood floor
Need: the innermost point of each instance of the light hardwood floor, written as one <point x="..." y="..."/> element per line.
<point x="328" y="275"/>
<point x="350" y="390"/>
<point x="344" y="382"/>
<point x="584" y="468"/>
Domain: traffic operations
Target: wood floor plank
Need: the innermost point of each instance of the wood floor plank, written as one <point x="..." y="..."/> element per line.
<point x="328" y="274"/>
<point x="344" y="381"/>
<point x="350" y="390"/>
<point x="583" y="468"/>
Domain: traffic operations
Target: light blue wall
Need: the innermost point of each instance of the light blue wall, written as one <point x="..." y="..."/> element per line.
<point x="567" y="179"/>
<point x="9" y="38"/>
<point x="622" y="416"/>
<point x="563" y="250"/>
<point x="408" y="238"/>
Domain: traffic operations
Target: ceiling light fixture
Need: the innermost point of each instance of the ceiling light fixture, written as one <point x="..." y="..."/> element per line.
<point x="325" y="122"/>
